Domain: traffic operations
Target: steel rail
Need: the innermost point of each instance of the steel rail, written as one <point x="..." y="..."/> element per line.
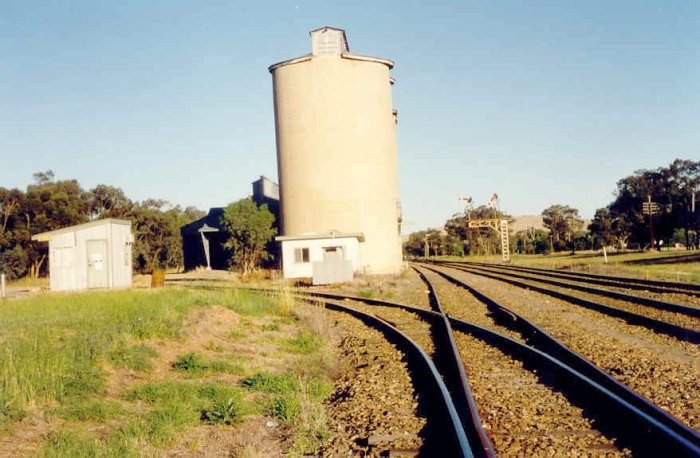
<point x="645" y="433"/>
<point x="640" y="431"/>
<point x="543" y="341"/>
<point x="654" y="303"/>
<point x="656" y="286"/>
<point x="456" y="376"/>
<point x="662" y="327"/>
<point x="469" y="441"/>
<point x="457" y="441"/>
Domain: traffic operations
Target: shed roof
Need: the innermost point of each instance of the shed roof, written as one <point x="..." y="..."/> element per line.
<point x="46" y="236"/>
<point x="211" y="220"/>
<point x="322" y="235"/>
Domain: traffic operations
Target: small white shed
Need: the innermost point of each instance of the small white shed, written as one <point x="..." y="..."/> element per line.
<point x="327" y="257"/>
<point x="90" y="255"/>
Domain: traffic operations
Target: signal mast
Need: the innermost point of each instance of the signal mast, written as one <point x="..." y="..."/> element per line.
<point x="500" y="225"/>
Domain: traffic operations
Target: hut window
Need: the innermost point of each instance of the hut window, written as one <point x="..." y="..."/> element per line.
<point x="301" y="255"/>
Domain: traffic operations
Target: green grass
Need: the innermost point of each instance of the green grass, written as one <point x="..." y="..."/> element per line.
<point x="366" y="293"/>
<point x="271" y="327"/>
<point x="297" y="401"/>
<point x="181" y="404"/>
<point x="272" y="383"/>
<point x="287" y="391"/>
<point x="286" y="407"/>
<point x="98" y="410"/>
<point x="75" y="445"/>
<point x="237" y="334"/>
<point x="197" y="365"/>
<point x="305" y="342"/>
<point x="227" y="411"/>
<point x="160" y="426"/>
<point x="56" y="351"/>
<point x="134" y="357"/>
<point x="51" y="345"/>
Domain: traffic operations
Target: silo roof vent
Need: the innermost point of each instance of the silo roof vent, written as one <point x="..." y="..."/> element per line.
<point x="328" y="40"/>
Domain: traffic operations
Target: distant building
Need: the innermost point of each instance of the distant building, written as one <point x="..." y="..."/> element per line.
<point x="336" y="153"/>
<point x="203" y="240"/>
<point x="90" y="255"/>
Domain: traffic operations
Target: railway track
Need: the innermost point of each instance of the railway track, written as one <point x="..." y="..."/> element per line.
<point x="660" y="368"/>
<point x="523" y="368"/>
<point x="655" y="286"/>
<point x="580" y="284"/>
<point x="671" y="319"/>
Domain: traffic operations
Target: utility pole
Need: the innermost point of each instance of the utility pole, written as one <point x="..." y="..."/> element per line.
<point x="650" y="208"/>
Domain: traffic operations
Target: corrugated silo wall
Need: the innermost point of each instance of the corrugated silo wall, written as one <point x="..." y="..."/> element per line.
<point x="336" y="147"/>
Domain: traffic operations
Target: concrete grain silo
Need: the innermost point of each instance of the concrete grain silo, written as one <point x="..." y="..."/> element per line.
<point x="336" y="153"/>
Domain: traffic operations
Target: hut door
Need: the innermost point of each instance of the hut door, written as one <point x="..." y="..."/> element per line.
<point x="333" y="254"/>
<point x="97" y="263"/>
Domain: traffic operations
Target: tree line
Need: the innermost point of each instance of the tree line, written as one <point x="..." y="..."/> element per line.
<point x="621" y="224"/>
<point x="48" y="204"/>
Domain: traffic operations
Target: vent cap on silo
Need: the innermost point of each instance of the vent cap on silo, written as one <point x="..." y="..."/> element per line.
<point x="328" y="40"/>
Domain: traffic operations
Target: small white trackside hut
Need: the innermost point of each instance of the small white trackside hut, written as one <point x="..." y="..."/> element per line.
<point x="90" y="255"/>
<point x="328" y="257"/>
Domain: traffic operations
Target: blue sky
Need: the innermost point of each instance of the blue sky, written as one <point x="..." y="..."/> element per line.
<point x="542" y="102"/>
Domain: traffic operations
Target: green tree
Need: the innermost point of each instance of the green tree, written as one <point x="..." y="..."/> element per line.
<point x="49" y="205"/>
<point x="110" y="202"/>
<point x="248" y="228"/>
<point x="479" y="241"/>
<point x="158" y="243"/>
<point x="563" y="223"/>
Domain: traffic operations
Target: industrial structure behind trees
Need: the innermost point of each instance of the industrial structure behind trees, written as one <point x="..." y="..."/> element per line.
<point x="336" y="156"/>
<point x="204" y="240"/>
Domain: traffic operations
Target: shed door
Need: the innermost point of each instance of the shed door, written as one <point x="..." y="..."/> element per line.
<point x="333" y="254"/>
<point x="97" y="264"/>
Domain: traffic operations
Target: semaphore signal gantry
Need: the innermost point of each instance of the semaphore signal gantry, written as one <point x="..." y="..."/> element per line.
<point x="500" y="225"/>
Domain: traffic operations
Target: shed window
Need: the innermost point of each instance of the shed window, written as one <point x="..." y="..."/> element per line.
<point x="301" y="255"/>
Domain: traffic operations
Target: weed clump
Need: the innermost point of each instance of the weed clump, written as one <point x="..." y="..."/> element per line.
<point x="286" y="408"/>
<point x="305" y="342"/>
<point x="272" y="383"/>
<point x="227" y="411"/>
<point x="190" y="362"/>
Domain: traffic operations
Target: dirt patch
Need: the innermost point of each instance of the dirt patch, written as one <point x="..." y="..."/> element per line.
<point x="26" y="437"/>
<point x="251" y="439"/>
<point x="206" y="323"/>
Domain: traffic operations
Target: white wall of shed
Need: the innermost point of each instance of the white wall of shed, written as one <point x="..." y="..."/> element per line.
<point x="62" y="263"/>
<point x="74" y="277"/>
<point x="120" y="256"/>
<point x="291" y="269"/>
